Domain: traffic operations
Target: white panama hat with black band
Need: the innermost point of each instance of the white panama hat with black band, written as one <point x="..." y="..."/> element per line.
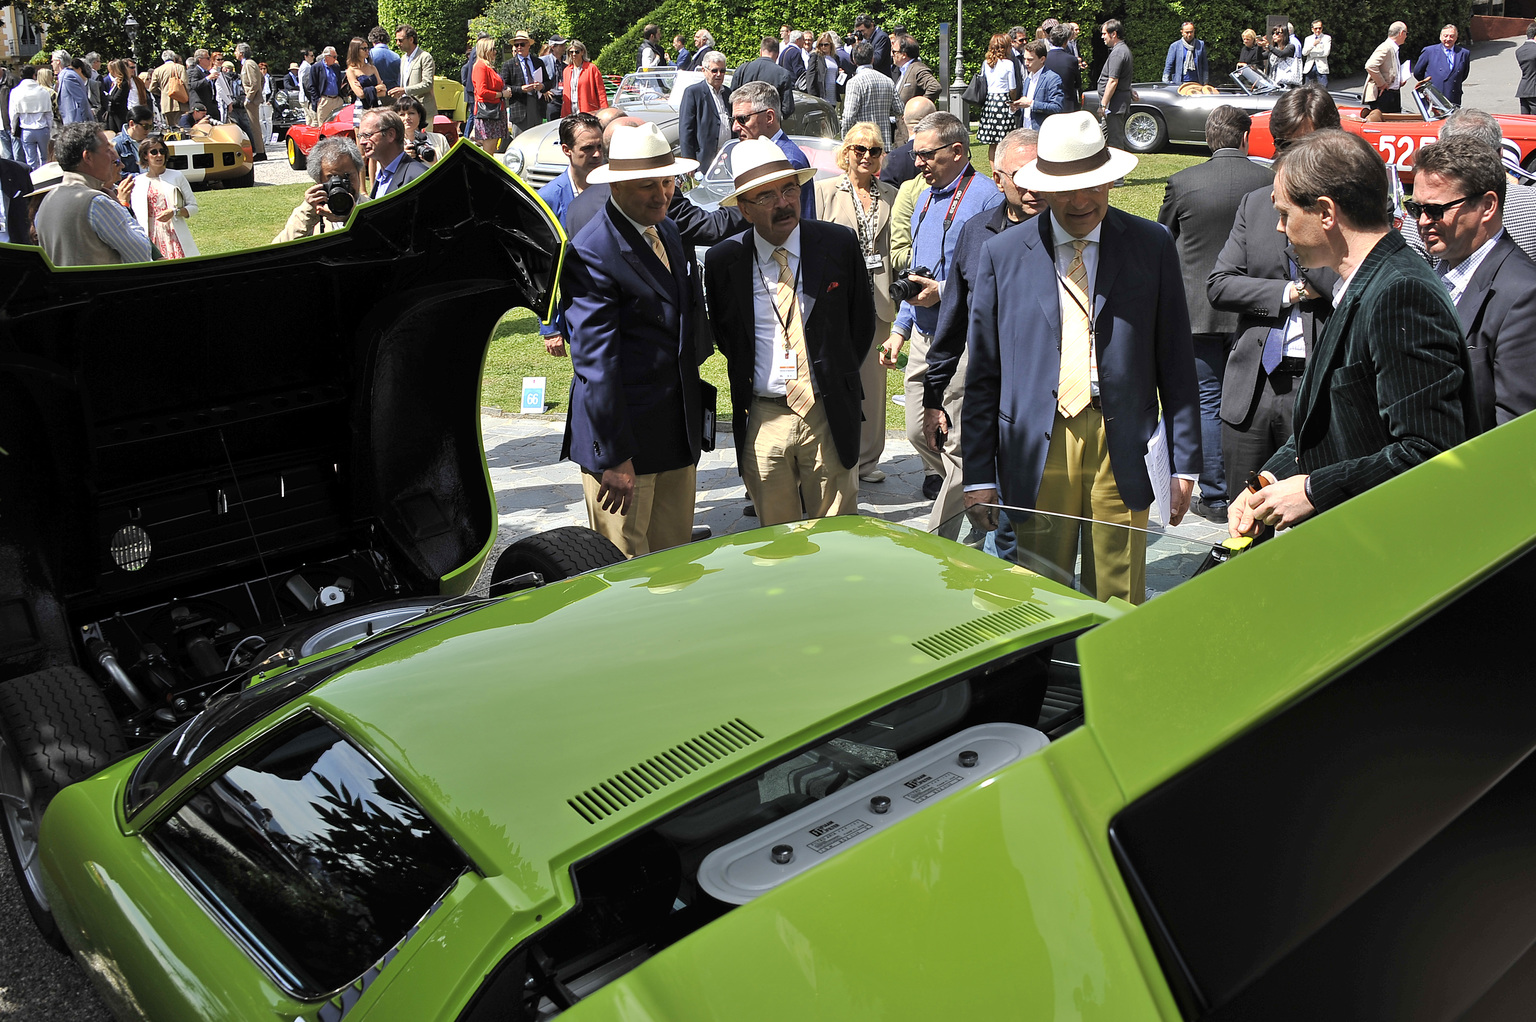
<point x="637" y="152"/>
<point x="1072" y="154"/>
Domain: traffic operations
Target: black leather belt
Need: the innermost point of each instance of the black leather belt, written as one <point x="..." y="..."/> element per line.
<point x="1289" y="367"/>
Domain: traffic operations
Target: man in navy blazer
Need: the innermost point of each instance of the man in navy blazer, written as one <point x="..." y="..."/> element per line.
<point x="1041" y="91"/>
<point x="700" y="132"/>
<point x="1078" y="334"/>
<point x="1186" y="60"/>
<point x="631" y="293"/>
<point x="1445" y="66"/>
<point x="1061" y="60"/>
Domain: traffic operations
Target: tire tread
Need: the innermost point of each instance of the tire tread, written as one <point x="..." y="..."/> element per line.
<point x="62" y="726"/>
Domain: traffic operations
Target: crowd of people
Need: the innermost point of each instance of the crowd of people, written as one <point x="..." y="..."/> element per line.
<point x="1285" y="340"/>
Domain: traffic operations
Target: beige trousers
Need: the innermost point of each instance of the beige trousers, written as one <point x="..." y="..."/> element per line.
<point x="789" y="456"/>
<point x="328" y="106"/>
<point x="872" y="375"/>
<point x="660" y="516"/>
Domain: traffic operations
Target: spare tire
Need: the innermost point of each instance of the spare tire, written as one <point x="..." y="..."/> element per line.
<point x="556" y="554"/>
<point x="56" y="728"/>
<point x="348" y="625"/>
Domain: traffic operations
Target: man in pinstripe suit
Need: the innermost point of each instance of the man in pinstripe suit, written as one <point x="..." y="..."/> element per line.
<point x="1388" y="384"/>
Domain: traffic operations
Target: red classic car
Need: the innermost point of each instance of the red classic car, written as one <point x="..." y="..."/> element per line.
<point x="1398" y="136"/>
<point x="302" y="137"/>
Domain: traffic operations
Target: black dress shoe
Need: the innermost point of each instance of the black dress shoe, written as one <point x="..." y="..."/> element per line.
<point x="701" y="532"/>
<point x="931" y="485"/>
<point x="750" y="511"/>
<point x="1208" y="512"/>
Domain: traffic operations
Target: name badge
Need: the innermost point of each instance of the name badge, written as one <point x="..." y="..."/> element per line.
<point x="873" y="261"/>
<point x="784" y="368"/>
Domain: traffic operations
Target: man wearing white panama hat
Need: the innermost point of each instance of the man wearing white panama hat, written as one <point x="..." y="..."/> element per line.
<point x="1078" y="333"/>
<point x="632" y="297"/>
<point x="794" y="314"/>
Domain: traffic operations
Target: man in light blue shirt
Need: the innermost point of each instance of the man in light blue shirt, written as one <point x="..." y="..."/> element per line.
<point x="383" y="57"/>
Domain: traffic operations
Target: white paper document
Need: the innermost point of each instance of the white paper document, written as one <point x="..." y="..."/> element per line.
<point x="1160" y="471"/>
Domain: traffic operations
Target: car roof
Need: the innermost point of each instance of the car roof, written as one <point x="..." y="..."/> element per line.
<point x="715" y="657"/>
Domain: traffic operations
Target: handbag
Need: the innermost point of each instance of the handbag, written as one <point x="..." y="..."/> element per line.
<point x="976" y="92"/>
<point x="1288" y="71"/>
<point x="487" y="111"/>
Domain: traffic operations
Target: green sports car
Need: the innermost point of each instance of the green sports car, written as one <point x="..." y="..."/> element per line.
<point x="837" y="769"/>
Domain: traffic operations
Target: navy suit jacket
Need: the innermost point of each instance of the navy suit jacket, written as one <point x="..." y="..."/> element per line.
<point x="948" y="342"/>
<point x="408" y="171"/>
<point x="1145" y="356"/>
<point x="698" y="124"/>
<point x="635" y="389"/>
<point x="1048" y="98"/>
<point x="764" y="69"/>
<point x="839" y="324"/>
<point x="1173" y="64"/>
<point x="793" y="61"/>
<point x="800" y="161"/>
<point x="1498" y="315"/>
<point x="1445" y="71"/>
<point x="1065" y="65"/>
<point x="1387" y="385"/>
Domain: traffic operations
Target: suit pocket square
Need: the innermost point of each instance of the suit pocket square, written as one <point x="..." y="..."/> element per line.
<point x="832" y="287"/>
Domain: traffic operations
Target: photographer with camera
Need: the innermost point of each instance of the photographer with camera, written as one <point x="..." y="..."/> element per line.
<point x="336" y="165"/>
<point x="955" y="193"/>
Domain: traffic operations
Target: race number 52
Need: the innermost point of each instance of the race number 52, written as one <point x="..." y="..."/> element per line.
<point x="1395" y="149"/>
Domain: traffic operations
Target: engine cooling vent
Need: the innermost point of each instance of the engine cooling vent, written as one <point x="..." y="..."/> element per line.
<point x="960" y="638"/>
<point x="649" y="776"/>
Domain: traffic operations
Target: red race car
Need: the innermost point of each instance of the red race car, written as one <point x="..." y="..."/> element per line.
<point x="302" y="137"/>
<point x="1398" y="136"/>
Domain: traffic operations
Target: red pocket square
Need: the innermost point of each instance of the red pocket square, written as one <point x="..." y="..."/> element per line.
<point x="832" y="286"/>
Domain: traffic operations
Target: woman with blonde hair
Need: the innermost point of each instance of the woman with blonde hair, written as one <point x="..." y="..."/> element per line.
<point x="490" y="97"/>
<point x="824" y="68"/>
<point x="861" y="202"/>
<point x="584" y="89"/>
<point x="1250" y="52"/>
<point x="1003" y="87"/>
<point x="362" y="76"/>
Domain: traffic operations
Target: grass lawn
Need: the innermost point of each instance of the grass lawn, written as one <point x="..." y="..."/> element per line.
<point x="232" y="219"/>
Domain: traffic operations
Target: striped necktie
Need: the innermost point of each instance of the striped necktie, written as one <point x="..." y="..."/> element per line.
<point x="1076" y="337"/>
<point x="656" y="246"/>
<point x="797" y="391"/>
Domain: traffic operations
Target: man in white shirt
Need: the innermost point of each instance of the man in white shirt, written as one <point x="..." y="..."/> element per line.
<point x="1314" y="55"/>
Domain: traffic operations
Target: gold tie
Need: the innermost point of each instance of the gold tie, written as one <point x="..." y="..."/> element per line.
<point x="797" y="391"/>
<point x="657" y="247"/>
<point x="1072" y="393"/>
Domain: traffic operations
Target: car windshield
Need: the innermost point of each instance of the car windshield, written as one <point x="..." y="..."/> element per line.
<point x="1255" y="82"/>
<point x="1053" y="546"/>
<point x="1432" y="102"/>
<point x="644" y="87"/>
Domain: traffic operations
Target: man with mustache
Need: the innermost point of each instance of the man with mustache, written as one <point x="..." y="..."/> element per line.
<point x="793" y="312"/>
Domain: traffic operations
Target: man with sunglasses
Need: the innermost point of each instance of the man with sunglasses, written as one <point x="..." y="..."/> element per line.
<point x="1459" y="188"/>
<point x="140" y="123"/>
<point x="1388" y="385"/>
<point x="793" y="312"/>
<point x="755" y="109"/>
<point x="955" y="193"/>
<point x="704" y="117"/>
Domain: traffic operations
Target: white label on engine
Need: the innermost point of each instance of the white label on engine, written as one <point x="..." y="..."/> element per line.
<point x="925" y="787"/>
<point x="831" y="834"/>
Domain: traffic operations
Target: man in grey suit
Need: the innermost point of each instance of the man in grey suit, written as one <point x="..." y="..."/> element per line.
<point x="1279" y="308"/>
<point x="1199" y="206"/>
<point x="1388" y="384"/>
<point x="1458" y="204"/>
<point x="1525" y="92"/>
<point x="766" y="69"/>
<point x="381" y="137"/>
<point x="417" y="70"/>
<point x="523" y="73"/>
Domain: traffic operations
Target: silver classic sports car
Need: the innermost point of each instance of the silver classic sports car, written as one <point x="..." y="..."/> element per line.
<point x="1163" y="112"/>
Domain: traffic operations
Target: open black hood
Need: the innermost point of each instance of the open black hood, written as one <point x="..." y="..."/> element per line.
<point x="171" y="425"/>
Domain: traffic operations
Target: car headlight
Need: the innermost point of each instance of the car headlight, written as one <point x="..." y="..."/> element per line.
<point x="514" y="159"/>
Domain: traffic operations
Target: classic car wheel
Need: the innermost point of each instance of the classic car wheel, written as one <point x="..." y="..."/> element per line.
<point x="243" y="181"/>
<point x="296" y="159"/>
<point x="56" y="728"/>
<point x="556" y="554"/>
<point x="1145" y="131"/>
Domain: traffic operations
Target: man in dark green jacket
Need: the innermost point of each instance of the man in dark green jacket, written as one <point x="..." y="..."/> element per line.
<point x="1388" y="385"/>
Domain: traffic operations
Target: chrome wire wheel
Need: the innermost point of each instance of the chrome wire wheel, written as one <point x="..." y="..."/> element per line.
<point x="18" y="806"/>
<point x="1144" y="131"/>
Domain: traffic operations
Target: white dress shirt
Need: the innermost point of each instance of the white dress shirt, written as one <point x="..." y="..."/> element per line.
<point x="1064" y="256"/>
<point x="765" y="319"/>
<point x="1456" y="278"/>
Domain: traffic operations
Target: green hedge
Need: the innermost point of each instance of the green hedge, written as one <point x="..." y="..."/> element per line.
<point x="442" y="27"/>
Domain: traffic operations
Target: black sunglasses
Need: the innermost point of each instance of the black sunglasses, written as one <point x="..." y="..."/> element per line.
<point x="1433" y="210"/>
<point x="927" y="154"/>
<point x="865" y="150"/>
<point x="154" y="152"/>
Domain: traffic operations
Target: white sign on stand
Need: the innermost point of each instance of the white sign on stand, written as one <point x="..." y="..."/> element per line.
<point x="533" y="395"/>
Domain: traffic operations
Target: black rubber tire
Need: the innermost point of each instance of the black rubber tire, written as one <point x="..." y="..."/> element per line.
<point x="296" y="159"/>
<point x="556" y="554"/>
<point x="58" y="729"/>
<point x="244" y="180"/>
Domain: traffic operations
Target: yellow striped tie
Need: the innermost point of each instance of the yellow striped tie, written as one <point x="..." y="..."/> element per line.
<point x="657" y="247"/>
<point x="797" y="391"/>
<point x="1072" y="393"/>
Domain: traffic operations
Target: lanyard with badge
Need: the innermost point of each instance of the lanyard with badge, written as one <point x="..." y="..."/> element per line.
<point x="784" y="366"/>
<point x="966" y="178"/>
<point x="867" y="221"/>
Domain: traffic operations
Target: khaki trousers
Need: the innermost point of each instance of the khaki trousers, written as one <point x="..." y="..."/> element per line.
<point x="872" y="432"/>
<point x="660" y="516"/>
<point x="328" y="106"/>
<point x="788" y="456"/>
<point x="1079" y="481"/>
<point x="258" y="133"/>
<point x="917" y="368"/>
<point x="948" y="463"/>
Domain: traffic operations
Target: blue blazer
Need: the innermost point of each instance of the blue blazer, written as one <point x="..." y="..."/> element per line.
<point x="1050" y="98"/>
<point x="559" y="194"/>
<point x="799" y="160"/>
<point x="1173" y="64"/>
<point x="635" y="392"/>
<point x="1145" y="356"/>
<point x="698" y="124"/>
<point x="75" y="100"/>
<point x="1445" y="71"/>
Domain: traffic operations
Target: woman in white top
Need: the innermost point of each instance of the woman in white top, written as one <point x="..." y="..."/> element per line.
<point x="998" y="117"/>
<point x="162" y="200"/>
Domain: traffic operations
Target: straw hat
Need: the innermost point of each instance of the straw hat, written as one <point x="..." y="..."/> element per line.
<point x="759" y="161"/>
<point x="45" y="179"/>
<point x="1072" y="154"/>
<point x="638" y="152"/>
<point x="522" y="37"/>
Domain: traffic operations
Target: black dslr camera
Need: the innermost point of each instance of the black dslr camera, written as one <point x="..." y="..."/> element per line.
<point x="420" y="148"/>
<point x="340" y="199"/>
<point x="903" y="289"/>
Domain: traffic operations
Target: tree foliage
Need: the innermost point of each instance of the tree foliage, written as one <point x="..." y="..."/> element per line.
<point x="442" y="26"/>
<point x="276" y="29"/>
<point x="539" y="18"/>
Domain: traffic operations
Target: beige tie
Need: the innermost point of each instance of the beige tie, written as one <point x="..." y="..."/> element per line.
<point x="657" y="247"/>
<point x="797" y="391"/>
<point x="1073" y="394"/>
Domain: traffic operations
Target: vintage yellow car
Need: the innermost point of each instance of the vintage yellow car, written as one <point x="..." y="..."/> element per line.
<point x="210" y="151"/>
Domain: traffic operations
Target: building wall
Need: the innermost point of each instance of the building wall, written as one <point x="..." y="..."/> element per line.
<point x="20" y="39"/>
